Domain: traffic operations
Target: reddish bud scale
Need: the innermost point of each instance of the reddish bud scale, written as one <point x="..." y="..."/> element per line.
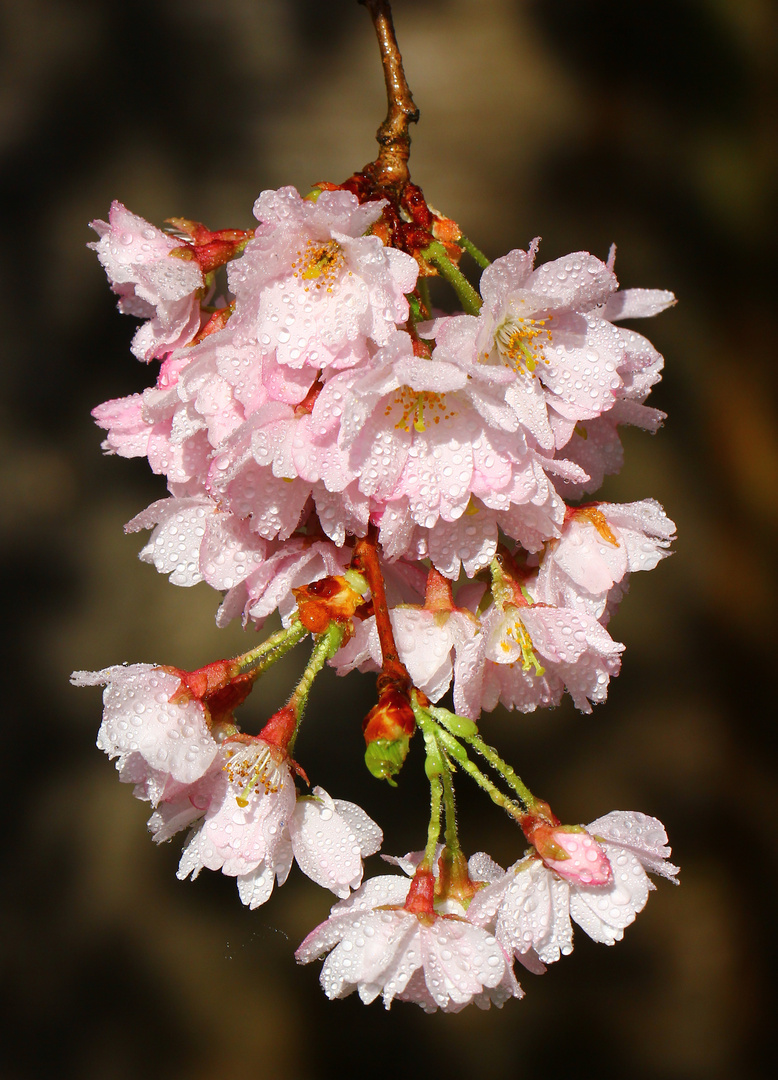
<point x="415" y="204"/>
<point x="216" y="322"/>
<point x="538" y="827"/>
<point x="447" y="231"/>
<point x="542" y="839"/>
<point x="220" y="686"/>
<point x="330" y="600"/>
<point x="438" y="595"/>
<point x="540" y="816"/>
<point x="394" y="229"/>
<point x="209" y="249"/>
<point x="392" y="718"/>
<point x="421" y="895"/>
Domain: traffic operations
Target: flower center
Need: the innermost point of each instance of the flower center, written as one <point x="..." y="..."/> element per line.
<point x="413" y="403"/>
<point x="520" y="342"/>
<point x="251" y="766"/>
<point x="518" y="633"/>
<point x="320" y="263"/>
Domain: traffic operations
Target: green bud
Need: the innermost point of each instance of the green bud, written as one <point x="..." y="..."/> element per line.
<point x="385" y="757"/>
<point x="457" y="725"/>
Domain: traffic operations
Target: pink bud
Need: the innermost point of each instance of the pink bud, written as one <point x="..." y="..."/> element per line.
<point x="586" y="862"/>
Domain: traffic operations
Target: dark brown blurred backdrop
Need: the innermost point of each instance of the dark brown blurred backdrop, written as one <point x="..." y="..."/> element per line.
<point x="650" y="123"/>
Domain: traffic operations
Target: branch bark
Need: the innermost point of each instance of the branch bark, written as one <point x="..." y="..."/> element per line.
<point x="390" y="169"/>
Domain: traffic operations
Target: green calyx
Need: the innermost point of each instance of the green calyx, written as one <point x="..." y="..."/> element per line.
<point x="385" y="757"/>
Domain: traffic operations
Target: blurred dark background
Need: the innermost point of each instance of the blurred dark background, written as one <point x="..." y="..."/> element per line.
<point x="649" y="123"/>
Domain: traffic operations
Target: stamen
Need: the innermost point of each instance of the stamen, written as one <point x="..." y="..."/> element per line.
<point x="413" y="404"/>
<point x="321" y="263"/>
<point x="251" y="766"/>
<point x="521" y="636"/>
<point x="596" y="518"/>
<point x="520" y="342"/>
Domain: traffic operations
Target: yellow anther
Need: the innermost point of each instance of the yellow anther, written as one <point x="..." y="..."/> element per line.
<point x="520" y="341"/>
<point x="413" y="404"/>
<point x="597" y="518"/>
<point x="520" y="635"/>
<point x="321" y="262"/>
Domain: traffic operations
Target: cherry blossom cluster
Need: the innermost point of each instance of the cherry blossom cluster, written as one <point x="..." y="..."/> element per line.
<point x="312" y="407"/>
<point x="409" y="488"/>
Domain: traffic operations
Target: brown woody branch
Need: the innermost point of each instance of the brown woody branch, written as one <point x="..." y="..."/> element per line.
<point x="390" y="169"/>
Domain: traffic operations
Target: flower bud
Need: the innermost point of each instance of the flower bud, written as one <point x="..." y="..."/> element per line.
<point x="572" y="853"/>
<point x="388" y="728"/>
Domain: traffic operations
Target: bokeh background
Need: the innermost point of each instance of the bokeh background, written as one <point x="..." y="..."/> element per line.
<point x="650" y="123"/>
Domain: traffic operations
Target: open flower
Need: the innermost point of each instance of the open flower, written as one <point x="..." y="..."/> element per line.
<point x="312" y="287"/>
<point x="529" y="906"/>
<point x="139" y="717"/>
<point x="254" y="826"/>
<point x="600" y="545"/>
<point x="151" y="283"/>
<point x="377" y="947"/>
<point x="534" y="653"/>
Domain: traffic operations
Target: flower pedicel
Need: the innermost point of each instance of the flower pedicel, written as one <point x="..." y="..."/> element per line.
<point x="411" y="491"/>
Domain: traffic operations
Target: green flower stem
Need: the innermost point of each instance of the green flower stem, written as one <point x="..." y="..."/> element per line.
<point x="276" y="646"/>
<point x="433" y="831"/>
<point x="468" y="297"/>
<point x="505" y="770"/>
<point x="449" y="804"/>
<point x="327" y="644"/>
<point x="423" y="289"/>
<point x="436" y="766"/>
<point x="474" y="252"/>
<point x="459" y="754"/>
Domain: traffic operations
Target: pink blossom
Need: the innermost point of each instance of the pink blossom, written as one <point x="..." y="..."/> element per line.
<point x="329" y="839"/>
<point x="434" y="646"/>
<point x="535" y="653"/>
<point x="376" y="947"/>
<point x="289" y="565"/>
<point x="312" y="287"/>
<point x="550" y="325"/>
<point x="248" y="814"/>
<point x="425" y="434"/>
<point x="572" y="853"/>
<point x="139" y="718"/>
<point x="193" y="540"/>
<point x="529" y="906"/>
<point x="470" y="542"/>
<point x="254" y="826"/>
<point x="598" y="547"/>
<point x="150" y="282"/>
